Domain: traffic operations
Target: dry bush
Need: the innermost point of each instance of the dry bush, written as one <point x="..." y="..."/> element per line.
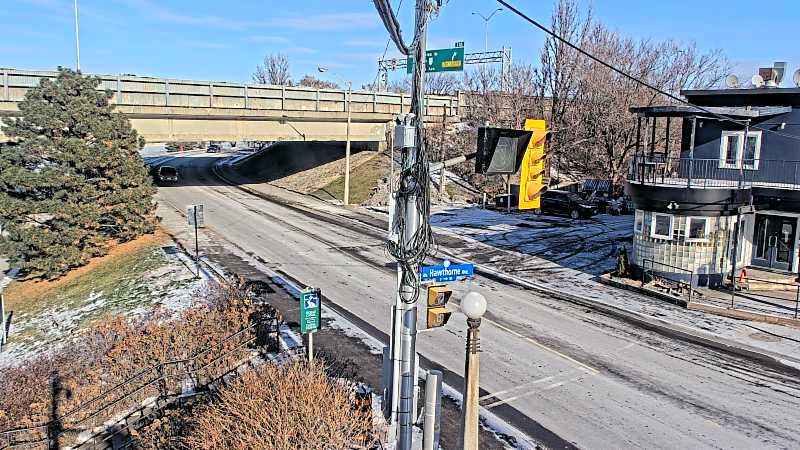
<point x="290" y="407"/>
<point x="114" y="350"/>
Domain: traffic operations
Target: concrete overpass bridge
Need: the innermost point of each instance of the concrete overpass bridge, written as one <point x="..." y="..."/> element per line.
<point x="169" y="110"/>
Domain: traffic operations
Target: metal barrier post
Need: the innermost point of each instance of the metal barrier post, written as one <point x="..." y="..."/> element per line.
<point x="796" y="301"/>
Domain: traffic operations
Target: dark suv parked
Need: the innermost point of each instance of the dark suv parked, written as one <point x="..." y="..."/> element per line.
<point x="563" y="202"/>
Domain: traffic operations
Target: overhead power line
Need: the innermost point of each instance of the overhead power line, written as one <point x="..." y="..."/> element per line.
<point x="638" y="80"/>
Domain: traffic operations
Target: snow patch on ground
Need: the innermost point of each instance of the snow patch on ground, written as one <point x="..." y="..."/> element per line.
<point x="171" y="285"/>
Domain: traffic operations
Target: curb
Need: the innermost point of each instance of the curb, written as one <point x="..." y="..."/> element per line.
<point x="771" y="359"/>
<point x="669" y="329"/>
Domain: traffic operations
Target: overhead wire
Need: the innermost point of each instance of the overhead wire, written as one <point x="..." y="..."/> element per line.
<point x="633" y="78"/>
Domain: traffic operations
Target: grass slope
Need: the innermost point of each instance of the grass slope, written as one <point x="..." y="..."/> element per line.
<point x="363" y="179"/>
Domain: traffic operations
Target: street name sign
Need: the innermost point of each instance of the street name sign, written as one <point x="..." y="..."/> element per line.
<point x="442" y="60"/>
<point x="445" y="272"/>
<point x="310" y="307"/>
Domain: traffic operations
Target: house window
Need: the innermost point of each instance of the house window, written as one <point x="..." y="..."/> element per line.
<point x="734" y="153"/>
<point x="697" y="229"/>
<point x="661" y="226"/>
<point x="638" y="222"/>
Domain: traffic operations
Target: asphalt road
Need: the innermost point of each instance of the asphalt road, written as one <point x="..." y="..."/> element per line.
<point x="556" y="371"/>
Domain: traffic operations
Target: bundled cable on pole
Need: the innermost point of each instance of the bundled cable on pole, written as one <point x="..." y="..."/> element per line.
<point x="412" y="188"/>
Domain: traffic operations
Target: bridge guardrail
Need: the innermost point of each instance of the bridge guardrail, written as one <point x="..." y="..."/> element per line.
<point x="131" y="90"/>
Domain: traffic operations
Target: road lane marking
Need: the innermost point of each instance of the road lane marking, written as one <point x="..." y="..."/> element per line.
<point x="581" y="365"/>
<point x="535" y="391"/>
<point x="522" y="386"/>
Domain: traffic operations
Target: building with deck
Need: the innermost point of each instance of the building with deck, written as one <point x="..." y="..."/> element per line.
<point x="732" y="185"/>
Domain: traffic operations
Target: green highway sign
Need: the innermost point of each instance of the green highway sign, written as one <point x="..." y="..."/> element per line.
<point x="310" y="308"/>
<point x="443" y="60"/>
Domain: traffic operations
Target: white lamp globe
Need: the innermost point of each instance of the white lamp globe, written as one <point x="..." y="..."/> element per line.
<point x="473" y="305"/>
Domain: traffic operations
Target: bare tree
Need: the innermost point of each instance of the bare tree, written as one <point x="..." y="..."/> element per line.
<point x="594" y="133"/>
<point x="310" y="81"/>
<point x="274" y="71"/>
<point x="442" y="84"/>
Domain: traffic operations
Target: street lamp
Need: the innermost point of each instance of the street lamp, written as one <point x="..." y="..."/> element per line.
<point x="486" y="25"/>
<point x="473" y="306"/>
<point x="346" y="199"/>
<point x="77" y="41"/>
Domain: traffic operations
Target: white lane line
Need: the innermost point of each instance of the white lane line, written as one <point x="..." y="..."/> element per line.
<point x="535" y="391"/>
<point x="581" y="365"/>
<point x="522" y="386"/>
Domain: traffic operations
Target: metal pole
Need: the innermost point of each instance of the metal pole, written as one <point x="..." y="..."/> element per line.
<point x="733" y="262"/>
<point x="196" y="242"/>
<point x="433" y="406"/>
<point x="347" y="146"/>
<point x="469" y="423"/>
<point x="77" y="41"/>
<point x="691" y="153"/>
<point x="444" y="131"/>
<point x="508" y="192"/>
<point x="4" y="337"/>
<point x="310" y="348"/>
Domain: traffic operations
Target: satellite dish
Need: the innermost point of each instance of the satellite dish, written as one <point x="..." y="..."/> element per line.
<point x="779" y="70"/>
<point x="732" y="81"/>
<point x="797" y="77"/>
<point x="757" y="80"/>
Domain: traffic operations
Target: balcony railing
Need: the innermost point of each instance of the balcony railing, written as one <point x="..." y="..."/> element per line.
<point x="714" y="173"/>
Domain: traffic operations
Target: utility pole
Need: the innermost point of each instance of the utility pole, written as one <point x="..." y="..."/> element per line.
<point x="348" y="104"/>
<point x="347" y="145"/>
<point x="410" y="232"/>
<point x="77" y="41"/>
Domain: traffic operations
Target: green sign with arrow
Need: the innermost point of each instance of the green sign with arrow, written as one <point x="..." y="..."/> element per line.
<point x="443" y="60"/>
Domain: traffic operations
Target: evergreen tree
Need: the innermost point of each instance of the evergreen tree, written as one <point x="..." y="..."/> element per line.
<point x="72" y="179"/>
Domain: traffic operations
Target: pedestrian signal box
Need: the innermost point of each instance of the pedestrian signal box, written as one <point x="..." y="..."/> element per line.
<point x="437" y="314"/>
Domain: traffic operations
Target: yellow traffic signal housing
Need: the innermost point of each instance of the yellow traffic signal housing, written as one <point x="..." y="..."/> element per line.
<point x="437" y="314"/>
<point x="438" y="295"/>
<point x="437" y="317"/>
<point x="531" y="174"/>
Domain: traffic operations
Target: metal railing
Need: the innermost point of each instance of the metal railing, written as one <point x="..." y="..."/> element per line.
<point x="714" y="173"/>
<point x="774" y="304"/>
<point x="140" y="91"/>
<point x="650" y="274"/>
<point x="203" y="368"/>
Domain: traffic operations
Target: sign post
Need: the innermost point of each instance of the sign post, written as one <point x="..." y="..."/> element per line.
<point x="196" y="218"/>
<point x="310" y="309"/>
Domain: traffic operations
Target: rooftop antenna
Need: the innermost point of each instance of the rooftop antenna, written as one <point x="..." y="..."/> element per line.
<point x="757" y="80"/>
<point x="797" y="77"/>
<point x="732" y="81"/>
<point x="779" y="70"/>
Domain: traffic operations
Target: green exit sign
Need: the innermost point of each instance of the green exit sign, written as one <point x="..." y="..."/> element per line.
<point x="442" y="60"/>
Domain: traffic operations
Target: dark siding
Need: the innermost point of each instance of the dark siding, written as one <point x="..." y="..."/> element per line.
<point x="780" y="154"/>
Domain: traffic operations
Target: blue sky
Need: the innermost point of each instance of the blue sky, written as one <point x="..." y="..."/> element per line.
<point x="223" y="41"/>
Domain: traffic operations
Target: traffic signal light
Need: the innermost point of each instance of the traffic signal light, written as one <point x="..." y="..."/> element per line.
<point x="531" y="182"/>
<point x="437" y="314"/>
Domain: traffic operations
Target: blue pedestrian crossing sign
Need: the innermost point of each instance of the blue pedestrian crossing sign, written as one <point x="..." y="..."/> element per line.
<point x="445" y="272"/>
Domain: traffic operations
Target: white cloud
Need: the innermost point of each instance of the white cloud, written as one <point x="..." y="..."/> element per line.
<point x="302" y="50"/>
<point x="365" y="43"/>
<point x="268" y="39"/>
<point x="312" y="22"/>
